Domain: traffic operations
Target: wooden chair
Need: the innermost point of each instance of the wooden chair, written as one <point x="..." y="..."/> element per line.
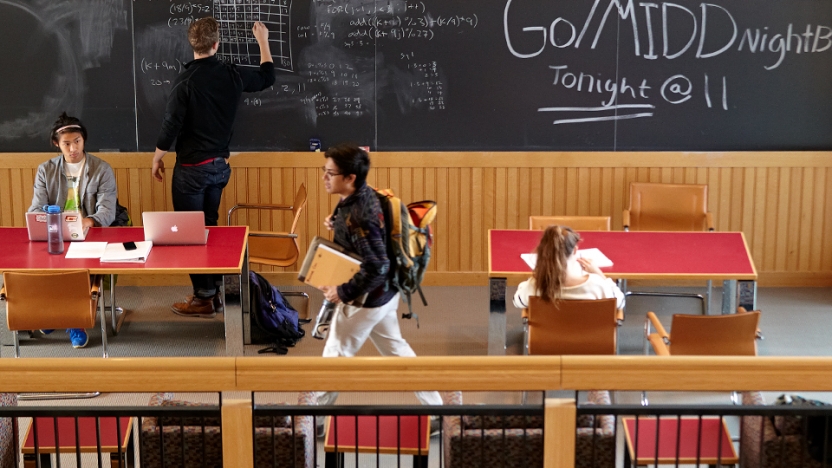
<point x="571" y="327"/>
<point x="577" y="223"/>
<point x="51" y="299"/>
<point x="669" y="207"/>
<point x="274" y="248"/>
<point x="704" y="335"/>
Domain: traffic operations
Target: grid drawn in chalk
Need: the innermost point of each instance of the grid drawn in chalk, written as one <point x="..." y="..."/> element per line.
<point x="237" y="43"/>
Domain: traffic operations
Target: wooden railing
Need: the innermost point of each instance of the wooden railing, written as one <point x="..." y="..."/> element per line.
<point x="479" y="373"/>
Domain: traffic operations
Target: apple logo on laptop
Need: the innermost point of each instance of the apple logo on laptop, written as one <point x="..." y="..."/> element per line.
<point x="174" y="228"/>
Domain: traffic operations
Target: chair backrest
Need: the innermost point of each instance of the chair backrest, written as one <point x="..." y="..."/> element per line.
<point x="49" y="299"/>
<point x="278" y="251"/>
<point x="572" y="327"/>
<point x="298" y="206"/>
<point x="668" y="207"/>
<point x="577" y="223"/>
<point x="714" y="335"/>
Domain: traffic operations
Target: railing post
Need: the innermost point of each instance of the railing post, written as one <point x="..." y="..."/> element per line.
<point x="559" y="433"/>
<point x="237" y="441"/>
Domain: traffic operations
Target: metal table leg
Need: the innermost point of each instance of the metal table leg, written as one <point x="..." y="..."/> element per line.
<point x="497" y="317"/>
<point x="236" y="318"/>
<point x="117" y="314"/>
<point x="729" y="297"/>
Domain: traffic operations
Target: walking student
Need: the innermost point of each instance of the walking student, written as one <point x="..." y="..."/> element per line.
<point x="358" y="225"/>
<point x="199" y="116"/>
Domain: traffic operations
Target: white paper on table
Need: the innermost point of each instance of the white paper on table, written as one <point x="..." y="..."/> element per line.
<point x="530" y="259"/>
<point x="86" y="249"/>
<point x="598" y="258"/>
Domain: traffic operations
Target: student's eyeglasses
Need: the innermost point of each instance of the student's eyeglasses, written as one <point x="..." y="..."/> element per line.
<point x="329" y="174"/>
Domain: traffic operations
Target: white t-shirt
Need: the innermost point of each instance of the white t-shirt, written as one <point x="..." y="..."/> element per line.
<point x="595" y="287"/>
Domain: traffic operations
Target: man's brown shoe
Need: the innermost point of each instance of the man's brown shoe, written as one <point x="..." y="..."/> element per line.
<point x="218" y="305"/>
<point x="194" y="307"/>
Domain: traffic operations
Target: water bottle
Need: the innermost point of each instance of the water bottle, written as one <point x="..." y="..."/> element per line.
<point x="54" y="229"/>
<point x="323" y="320"/>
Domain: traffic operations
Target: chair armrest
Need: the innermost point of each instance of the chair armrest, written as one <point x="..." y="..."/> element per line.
<point x="626" y="220"/>
<point x="280" y="235"/>
<point x="652" y="319"/>
<point x="619" y="316"/>
<point x="659" y="346"/>
<point x="254" y="206"/>
<point x="95" y="286"/>
<point x="709" y="221"/>
<point x="3" y="293"/>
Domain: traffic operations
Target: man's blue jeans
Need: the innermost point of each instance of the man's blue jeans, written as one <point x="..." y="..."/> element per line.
<point x="199" y="188"/>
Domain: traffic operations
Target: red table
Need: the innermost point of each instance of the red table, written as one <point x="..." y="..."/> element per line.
<point x="706" y="441"/>
<point x="405" y="435"/>
<point x="667" y="256"/>
<point x="113" y="438"/>
<point x="225" y="253"/>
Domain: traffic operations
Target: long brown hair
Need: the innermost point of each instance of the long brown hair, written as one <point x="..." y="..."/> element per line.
<point x="555" y="247"/>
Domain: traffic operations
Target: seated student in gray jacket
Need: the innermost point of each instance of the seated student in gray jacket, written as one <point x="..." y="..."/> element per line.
<point x="76" y="181"/>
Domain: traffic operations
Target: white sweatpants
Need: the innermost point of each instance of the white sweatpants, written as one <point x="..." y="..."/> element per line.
<point x="351" y="326"/>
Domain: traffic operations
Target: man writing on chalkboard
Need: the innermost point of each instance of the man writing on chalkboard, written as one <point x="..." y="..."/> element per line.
<point x="199" y="116"/>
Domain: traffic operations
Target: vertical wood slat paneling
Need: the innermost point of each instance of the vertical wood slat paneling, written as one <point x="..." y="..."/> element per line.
<point x="785" y="212"/>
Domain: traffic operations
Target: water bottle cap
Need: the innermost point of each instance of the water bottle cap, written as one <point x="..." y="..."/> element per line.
<point x="53" y="209"/>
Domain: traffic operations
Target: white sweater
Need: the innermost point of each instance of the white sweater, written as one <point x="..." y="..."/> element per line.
<point x="595" y="287"/>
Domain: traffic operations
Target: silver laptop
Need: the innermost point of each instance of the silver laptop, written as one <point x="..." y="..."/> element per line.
<point x="73" y="226"/>
<point x="175" y="227"/>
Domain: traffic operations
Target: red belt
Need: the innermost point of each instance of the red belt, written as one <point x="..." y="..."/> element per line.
<point x="202" y="163"/>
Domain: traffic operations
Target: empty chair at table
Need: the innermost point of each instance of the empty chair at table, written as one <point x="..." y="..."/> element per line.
<point x="703" y="335"/>
<point x="669" y="207"/>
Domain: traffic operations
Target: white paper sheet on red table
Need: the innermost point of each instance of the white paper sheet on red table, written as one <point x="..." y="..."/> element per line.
<point x="598" y="258"/>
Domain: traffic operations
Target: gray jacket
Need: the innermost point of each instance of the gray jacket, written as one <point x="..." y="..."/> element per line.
<point x="97" y="191"/>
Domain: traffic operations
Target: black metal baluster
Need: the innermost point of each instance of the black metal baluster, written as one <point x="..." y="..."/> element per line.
<point x="273" y="449"/>
<point x="37" y="441"/>
<point x="160" y="423"/>
<point x="356" y="441"/>
<point x="118" y="441"/>
<point x="202" y="431"/>
<point x="678" y="437"/>
<point x="504" y="448"/>
<point x="596" y="420"/>
<point x="58" y="443"/>
<point x="98" y="440"/>
<point x="182" y="434"/>
<point x="698" y="440"/>
<point x="656" y="448"/>
<point x="398" y="441"/>
<point x="825" y="439"/>
<point x="378" y="442"/>
<point x="719" y="443"/>
<point x="635" y="442"/>
<point x="77" y="444"/>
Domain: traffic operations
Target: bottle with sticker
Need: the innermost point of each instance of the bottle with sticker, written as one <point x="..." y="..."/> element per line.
<point x="54" y="229"/>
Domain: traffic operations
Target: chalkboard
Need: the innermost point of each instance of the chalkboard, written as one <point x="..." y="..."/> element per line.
<point x="484" y="75"/>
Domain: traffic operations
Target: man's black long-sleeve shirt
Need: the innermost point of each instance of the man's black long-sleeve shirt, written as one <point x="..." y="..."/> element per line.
<point x="202" y="105"/>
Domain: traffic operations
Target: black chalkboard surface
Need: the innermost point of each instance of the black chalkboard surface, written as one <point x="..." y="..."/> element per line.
<point x="437" y="74"/>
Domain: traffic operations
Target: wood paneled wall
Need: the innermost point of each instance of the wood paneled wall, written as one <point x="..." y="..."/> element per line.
<point x="782" y="201"/>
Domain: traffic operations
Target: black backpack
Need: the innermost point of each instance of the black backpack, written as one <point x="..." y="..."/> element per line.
<point x="273" y="315"/>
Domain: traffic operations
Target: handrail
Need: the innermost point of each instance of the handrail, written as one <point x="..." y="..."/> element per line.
<point x="468" y="373"/>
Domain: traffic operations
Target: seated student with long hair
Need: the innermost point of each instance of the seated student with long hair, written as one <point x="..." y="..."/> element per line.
<point x="560" y="274"/>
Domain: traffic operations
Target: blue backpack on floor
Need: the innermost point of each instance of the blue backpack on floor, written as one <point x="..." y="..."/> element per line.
<point x="273" y="315"/>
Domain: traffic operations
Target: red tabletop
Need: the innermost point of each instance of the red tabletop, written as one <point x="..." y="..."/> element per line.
<point x="110" y="438"/>
<point x="637" y="255"/>
<point x="222" y="254"/>
<point x="709" y="436"/>
<point x="395" y="432"/>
